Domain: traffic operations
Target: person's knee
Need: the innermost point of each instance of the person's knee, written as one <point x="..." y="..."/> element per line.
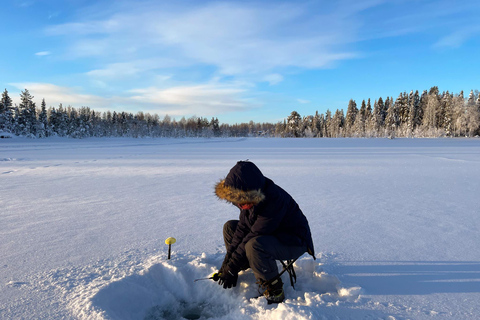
<point x="229" y="226"/>
<point x="256" y="244"/>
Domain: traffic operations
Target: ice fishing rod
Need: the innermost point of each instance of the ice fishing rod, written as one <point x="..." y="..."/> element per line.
<point x="170" y="241"/>
<point x="210" y="278"/>
<point x="214" y="277"/>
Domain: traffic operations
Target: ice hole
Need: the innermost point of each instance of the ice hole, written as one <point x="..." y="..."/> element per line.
<point x="167" y="291"/>
<point x="185" y="310"/>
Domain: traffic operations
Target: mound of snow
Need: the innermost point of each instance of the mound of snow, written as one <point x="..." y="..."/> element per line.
<point x="165" y="289"/>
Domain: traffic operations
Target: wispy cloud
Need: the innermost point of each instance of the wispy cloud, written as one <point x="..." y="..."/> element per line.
<point x="205" y="100"/>
<point x="54" y="95"/>
<point x="303" y="101"/>
<point x="132" y="68"/>
<point x="43" y="53"/>
<point x="273" y="78"/>
<point x="236" y="38"/>
<point x="445" y="20"/>
<point x="211" y="44"/>
<point x="457" y="38"/>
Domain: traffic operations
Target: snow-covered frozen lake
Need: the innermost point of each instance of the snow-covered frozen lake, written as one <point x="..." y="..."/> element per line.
<point x="82" y="227"/>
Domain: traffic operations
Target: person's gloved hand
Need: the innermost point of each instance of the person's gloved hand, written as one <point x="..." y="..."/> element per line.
<point x="227" y="278"/>
<point x="216" y="276"/>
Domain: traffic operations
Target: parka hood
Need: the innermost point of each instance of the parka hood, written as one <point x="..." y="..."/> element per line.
<point x="243" y="184"/>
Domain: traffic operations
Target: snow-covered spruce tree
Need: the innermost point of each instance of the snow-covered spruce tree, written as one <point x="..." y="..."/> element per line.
<point x="307" y="127"/>
<point x="215" y="127"/>
<point x="369" y="121"/>
<point x="420" y="130"/>
<point x="414" y="113"/>
<point x="460" y="122"/>
<point x="62" y="121"/>
<point x="280" y="128"/>
<point x="350" y="118"/>
<point x="27" y="121"/>
<point x="359" y="123"/>
<point x="473" y="115"/>
<point x="477" y="107"/>
<point x="376" y="119"/>
<point x="432" y="106"/>
<point x="42" y="125"/>
<point x="6" y="112"/>
<point x="409" y="124"/>
<point x="387" y="105"/>
<point x="52" y="121"/>
<point x="391" y="121"/>
<point x="317" y="125"/>
<point x="440" y="114"/>
<point x="294" y="123"/>
<point x="402" y="105"/>
<point x="448" y="114"/>
<point x="337" y="124"/>
<point x="327" y="124"/>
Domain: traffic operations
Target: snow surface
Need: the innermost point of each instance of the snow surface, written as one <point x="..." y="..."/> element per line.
<point x="83" y="223"/>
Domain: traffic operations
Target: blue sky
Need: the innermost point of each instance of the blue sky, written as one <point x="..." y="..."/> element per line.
<point x="235" y="60"/>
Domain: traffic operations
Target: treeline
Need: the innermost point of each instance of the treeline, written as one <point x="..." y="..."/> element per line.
<point x="430" y="114"/>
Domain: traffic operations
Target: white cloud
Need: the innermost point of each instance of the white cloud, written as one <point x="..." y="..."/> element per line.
<point x="303" y="101"/>
<point x="235" y="38"/>
<point x="43" y="53"/>
<point x="208" y="99"/>
<point x="203" y="100"/>
<point x="132" y="68"/>
<point x="54" y="95"/>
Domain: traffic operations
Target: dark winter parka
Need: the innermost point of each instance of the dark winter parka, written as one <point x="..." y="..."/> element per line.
<point x="274" y="212"/>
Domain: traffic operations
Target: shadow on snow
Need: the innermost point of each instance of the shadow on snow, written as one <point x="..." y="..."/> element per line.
<point x="412" y="278"/>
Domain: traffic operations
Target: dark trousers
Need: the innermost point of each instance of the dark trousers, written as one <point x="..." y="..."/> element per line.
<point x="262" y="251"/>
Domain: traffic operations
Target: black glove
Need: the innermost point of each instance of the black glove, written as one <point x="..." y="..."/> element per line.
<point x="227" y="278"/>
<point x="216" y="276"/>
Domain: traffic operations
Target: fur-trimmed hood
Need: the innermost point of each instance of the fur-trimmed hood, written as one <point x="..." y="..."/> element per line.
<point x="242" y="185"/>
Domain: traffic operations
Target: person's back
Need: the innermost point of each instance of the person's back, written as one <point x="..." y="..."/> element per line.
<point x="271" y="227"/>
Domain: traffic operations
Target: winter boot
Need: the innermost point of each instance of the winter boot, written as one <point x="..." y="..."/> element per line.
<point x="273" y="291"/>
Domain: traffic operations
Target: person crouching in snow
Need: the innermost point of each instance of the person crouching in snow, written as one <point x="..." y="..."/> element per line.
<point x="271" y="227"/>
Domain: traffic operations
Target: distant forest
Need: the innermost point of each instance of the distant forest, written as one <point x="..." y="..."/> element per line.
<point x="430" y="114"/>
